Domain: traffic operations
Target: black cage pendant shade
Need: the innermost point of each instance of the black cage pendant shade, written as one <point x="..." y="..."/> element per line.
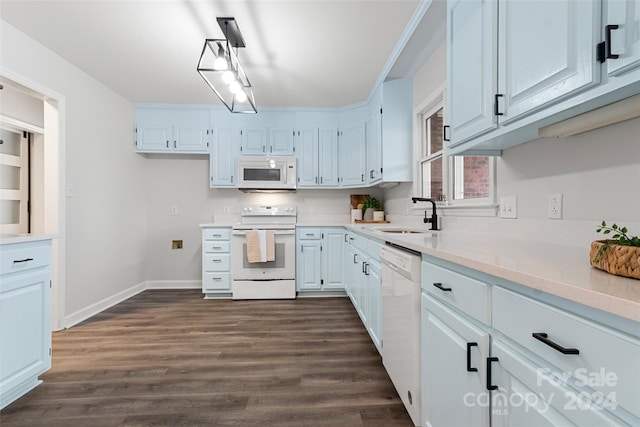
<point x="221" y="70"/>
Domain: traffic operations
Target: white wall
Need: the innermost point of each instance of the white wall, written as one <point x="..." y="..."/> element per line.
<point x="105" y="229"/>
<point x="183" y="181"/>
<point x="598" y="173"/>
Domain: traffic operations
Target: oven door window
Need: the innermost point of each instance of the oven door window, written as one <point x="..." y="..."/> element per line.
<point x="279" y="262"/>
<point x="261" y="174"/>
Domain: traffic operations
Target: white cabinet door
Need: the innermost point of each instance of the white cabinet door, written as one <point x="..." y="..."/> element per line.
<point x="332" y="259"/>
<point x="546" y="53"/>
<point x="191" y="130"/>
<point x="472" y="49"/>
<point x="374" y="308"/>
<point x="281" y="142"/>
<point x="374" y="148"/>
<point x="453" y="378"/>
<point x="224" y="158"/>
<point x="351" y="145"/>
<point x="625" y="39"/>
<point x="307" y="155"/>
<point x="527" y="397"/>
<point x="25" y="333"/>
<point x="328" y="158"/>
<point x="253" y="141"/>
<point x="154" y="130"/>
<point x="309" y="265"/>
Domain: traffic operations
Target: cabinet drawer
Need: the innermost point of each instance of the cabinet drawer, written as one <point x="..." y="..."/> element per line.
<point x="358" y="241"/>
<point x="24" y="256"/>
<point x="470" y="296"/>
<point x="607" y="360"/>
<point x="217" y="233"/>
<point x="216" y="281"/>
<point x="216" y="246"/>
<point x="373" y="249"/>
<point x="309" y="234"/>
<point x="216" y="262"/>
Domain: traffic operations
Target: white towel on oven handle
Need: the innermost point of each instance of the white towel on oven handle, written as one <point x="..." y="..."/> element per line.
<point x="260" y="246"/>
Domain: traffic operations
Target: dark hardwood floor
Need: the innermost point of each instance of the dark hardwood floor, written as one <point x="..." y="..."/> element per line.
<point x="171" y="358"/>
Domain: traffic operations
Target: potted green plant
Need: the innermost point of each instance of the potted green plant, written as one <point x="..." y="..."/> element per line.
<point x="369" y="205"/>
<point x="619" y="255"/>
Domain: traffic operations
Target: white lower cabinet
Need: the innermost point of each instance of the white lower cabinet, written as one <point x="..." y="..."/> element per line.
<point x="363" y="282"/>
<point x="319" y="259"/>
<point x="25" y="317"/>
<point x="216" y="262"/>
<point x="454" y="354"/>
<point x="513" y="358"/>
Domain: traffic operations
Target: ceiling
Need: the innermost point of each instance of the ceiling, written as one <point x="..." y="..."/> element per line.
<point x="303" y="53"/>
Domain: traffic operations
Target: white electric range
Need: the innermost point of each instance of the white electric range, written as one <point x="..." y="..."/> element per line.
<point x="272" y="279"/>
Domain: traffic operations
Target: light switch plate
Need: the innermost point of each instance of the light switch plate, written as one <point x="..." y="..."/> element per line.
<point x="509" y="207"/>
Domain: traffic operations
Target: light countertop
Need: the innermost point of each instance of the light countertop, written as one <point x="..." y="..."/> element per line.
<point x="6" y="239"/>
<point x="557" y="269"/>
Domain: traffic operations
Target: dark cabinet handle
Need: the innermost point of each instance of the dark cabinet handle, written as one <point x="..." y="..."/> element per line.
<point x="345" y="238"/>
<point x="442" y="288"/>
<point x="607" y="40"/>
<point x="541" y="336"/>
<point x="16" y="261"/>
<point x="363" y="267"/>
<point x="445" y="134"/>
<point x="489" y="385"/>
<point x="469" y="345"/>
<point x="366" y="269"/>
<point x="496" y="109"/>
<point x="371" y="174"/>
<point x="355" y="256"/>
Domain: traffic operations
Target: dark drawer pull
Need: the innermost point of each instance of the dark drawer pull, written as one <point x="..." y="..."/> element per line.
<point x="541" y="336"/>
<point x="489" y="385"/>
<point x="16" y="261"/>
<point x="469" y="345"/>
<point x="442" y="288"/>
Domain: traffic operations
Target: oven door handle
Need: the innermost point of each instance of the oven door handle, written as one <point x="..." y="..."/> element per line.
<point x="275" y="232"/>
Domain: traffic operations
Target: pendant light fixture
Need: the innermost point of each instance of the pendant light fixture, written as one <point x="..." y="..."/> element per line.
<point x="221" y="70"/>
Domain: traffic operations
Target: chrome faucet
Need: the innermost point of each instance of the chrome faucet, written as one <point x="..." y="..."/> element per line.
<point x="433" y="220"/>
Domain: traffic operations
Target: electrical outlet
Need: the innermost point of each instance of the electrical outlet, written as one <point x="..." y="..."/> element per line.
<point x="554" y="208"/>
<point x="509" y="207"/>
<point x="174" y="210"/>
<point x="227" y="210"/>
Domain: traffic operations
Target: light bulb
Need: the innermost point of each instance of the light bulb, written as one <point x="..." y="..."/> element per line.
<point x="234" y="86"/>
<point x="220" y="64"/>
<point x="241" y="96"/>
<point x="228" y="77"/>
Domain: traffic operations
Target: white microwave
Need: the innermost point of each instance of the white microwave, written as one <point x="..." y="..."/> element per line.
<point x="267" y="173"/>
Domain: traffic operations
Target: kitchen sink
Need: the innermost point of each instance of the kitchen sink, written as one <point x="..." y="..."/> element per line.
<point x="401" y="230"/>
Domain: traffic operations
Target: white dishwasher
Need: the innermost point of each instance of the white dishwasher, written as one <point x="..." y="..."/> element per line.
<point x="401" y="323"/>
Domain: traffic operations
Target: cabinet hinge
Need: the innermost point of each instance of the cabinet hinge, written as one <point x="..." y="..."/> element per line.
<point x="496" y="106"/>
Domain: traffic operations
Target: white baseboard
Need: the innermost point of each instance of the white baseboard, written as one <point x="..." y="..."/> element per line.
<point x="173" y="284"/>
<point x="87" y="312"/>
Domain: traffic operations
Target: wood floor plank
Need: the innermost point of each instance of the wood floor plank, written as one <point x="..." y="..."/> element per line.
<point x="171" y="358"/>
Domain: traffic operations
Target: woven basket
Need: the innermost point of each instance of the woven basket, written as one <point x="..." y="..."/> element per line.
<point x="616" y="259"/>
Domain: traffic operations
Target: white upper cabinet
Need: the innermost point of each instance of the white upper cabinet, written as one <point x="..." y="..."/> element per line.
<point x="267" y="133"/>
<point x="172" y="130"/>
<point x="352" y="147"/>
<point x="516" y="66"/>
<point x="546" y="51"/>
<point x="225" y="149"/>
<point x="622" y="28"/>
<point x="307" y="155"/>
<point x="472" y="63"/>
<point x="316" y="147"/>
